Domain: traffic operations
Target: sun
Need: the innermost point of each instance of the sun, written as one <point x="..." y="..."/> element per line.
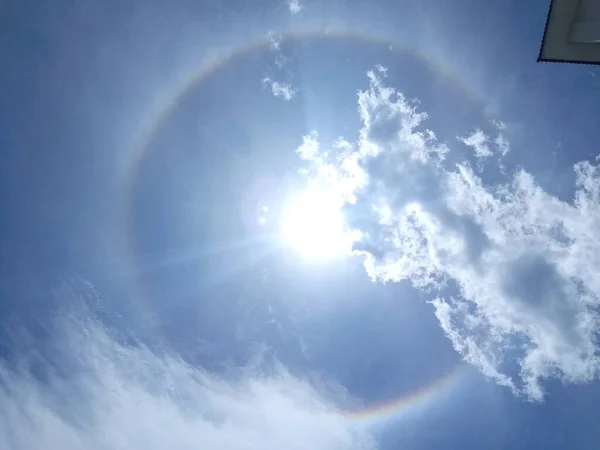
<point x="313" y="225"/>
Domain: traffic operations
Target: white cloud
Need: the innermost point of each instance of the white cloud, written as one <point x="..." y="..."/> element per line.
<point x="275" y="46"/>
<point x="111" y="396"/>
<point x="382" y="70"/>
<point x="499" y="124"/>
<point x="294" y="6"/>
<point x="279" y="89"/>
<point x="484" y="146"/>
<point x="280" y="61"/>
<point x="274" y="40"/>
<point x="512" y="271"/>
<point x="478" y="141"/>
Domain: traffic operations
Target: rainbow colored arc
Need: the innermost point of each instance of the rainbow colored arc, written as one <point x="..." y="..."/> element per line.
<point x="372" y="414"/>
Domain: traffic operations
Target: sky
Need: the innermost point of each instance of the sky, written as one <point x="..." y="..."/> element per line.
<point x="296" y="223"/>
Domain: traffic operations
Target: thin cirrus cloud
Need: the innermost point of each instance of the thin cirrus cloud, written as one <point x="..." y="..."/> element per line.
<point x="107" y="395"/>
<point x="280" y="89"/>
<point x="294" y="6"/>
<point x="275" y="47"/>
<point x="512" y="270"/>
<point x="274" y="40"/>
<point x="484" y="146"/>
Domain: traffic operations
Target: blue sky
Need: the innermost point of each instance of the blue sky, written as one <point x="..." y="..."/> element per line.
<point x="328" y="225"/>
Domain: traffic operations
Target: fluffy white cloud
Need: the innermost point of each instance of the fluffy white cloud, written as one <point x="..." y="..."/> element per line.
<point x="294" y="6"/>
<point x="279" y="89"/>
<point x="108" y="396"/>
<point x="512" y="271"/>
<point x="484" y="146"/>
<point x="478" y="141"/>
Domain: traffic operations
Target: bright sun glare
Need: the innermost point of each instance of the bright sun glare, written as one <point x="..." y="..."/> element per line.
<point x="313" y="225"/>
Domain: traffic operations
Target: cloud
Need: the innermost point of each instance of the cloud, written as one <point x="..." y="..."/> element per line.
<point x="274" y="40"/>
<point x="294" y="6"/>
<point x="478" y="141"/>
<point x="282" y="88"/>
<point x="484" y="146"/>
<point x="511" y="270"/>
<point x="275" y="46"/>
<point x="382" y="70"/>
<point x="95" y="393"/>
<point x="279" y="89"/>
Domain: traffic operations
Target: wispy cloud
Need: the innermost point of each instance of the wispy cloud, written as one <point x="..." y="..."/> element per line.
<point x="295" y="6"/>
<point x="279" y="89"/>
<point x="478" y="141"/>
<point x="105" y="395"/>
<point x="275" y="46"/>
<point x="512" y="271"/>
<point x="382" y="70"/>
<point x="282" y="86"/>
<point x="484" y="146"/>
<point x="274" y="40"/>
